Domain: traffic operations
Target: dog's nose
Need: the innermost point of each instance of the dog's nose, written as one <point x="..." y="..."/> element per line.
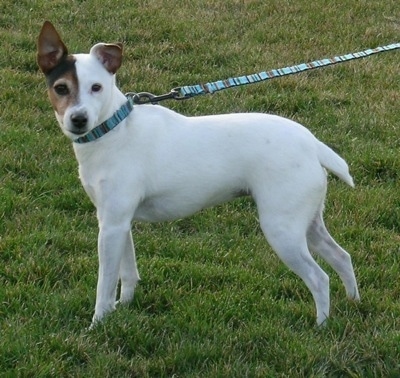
<point x="79" y="120"/>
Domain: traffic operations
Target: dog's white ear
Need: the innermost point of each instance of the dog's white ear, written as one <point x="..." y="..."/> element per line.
<point x="50" y="48"/>
<point x="109" y="55"/>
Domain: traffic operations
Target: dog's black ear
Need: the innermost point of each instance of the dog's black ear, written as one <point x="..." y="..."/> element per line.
<point x="50" y="48"/>
<point x="109" y="55"/>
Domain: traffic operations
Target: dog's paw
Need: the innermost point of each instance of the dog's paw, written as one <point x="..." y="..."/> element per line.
<point x="125" y="299"/>
<point x="98" y="318"/>
<point x="93" y="325"/>
<point x="122" y="302"/>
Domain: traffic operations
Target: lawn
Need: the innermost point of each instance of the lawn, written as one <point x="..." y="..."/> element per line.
<point x="214" y="300"/>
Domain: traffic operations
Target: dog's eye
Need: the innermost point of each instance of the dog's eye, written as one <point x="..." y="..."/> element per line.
<point x="61" y="89"/>
<point x="96" y="88"/>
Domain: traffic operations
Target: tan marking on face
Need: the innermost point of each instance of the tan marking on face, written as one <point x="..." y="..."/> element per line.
<point x="62" y="101"/>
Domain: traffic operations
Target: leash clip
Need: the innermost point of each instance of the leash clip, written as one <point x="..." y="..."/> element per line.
<point x="142" y="98"/>
<point x="149" y="98"/>
<point x="176" y="94"/>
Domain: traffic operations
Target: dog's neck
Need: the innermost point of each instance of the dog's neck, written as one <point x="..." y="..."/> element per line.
<point x="116" y="100"/>
<point x="108" y="125"/>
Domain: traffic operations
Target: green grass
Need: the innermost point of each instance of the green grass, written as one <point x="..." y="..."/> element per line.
<point x="214" y="300"/>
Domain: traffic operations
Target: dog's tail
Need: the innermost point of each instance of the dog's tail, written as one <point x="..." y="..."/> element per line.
<point x="334" y="163"/>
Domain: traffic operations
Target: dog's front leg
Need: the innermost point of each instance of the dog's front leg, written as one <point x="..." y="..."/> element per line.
<point x="128" y="271"/>
<point x="111" y="247"/>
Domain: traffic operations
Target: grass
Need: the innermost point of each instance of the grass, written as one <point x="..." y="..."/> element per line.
<point x="214" y="301"/>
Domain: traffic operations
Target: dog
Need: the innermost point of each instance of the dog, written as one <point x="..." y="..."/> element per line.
<point x="149" y="163"/>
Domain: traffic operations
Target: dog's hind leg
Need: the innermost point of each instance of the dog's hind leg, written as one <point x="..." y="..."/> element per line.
<point x="321" y="242"/>
<point x="128" y="272"/>
<point x="288" y="239"/>
<point x="297" y="257"/>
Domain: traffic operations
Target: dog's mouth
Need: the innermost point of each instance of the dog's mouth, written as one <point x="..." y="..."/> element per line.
<point x="78" y="132"/>
<point x="74" y="133"/>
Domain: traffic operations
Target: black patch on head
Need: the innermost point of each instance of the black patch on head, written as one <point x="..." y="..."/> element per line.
<point x="66" y="65"/>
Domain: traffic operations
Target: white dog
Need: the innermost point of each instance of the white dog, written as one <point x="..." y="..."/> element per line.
<point x="148" y="163"/>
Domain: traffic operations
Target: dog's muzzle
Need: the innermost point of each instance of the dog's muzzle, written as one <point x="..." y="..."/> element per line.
<point x="79" y="122"/>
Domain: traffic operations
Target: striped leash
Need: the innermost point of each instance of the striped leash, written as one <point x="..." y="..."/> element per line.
<point x="189" y="91"/>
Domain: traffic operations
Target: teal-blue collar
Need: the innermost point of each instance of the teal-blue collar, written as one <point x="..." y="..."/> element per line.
<point x="107" y="125"/>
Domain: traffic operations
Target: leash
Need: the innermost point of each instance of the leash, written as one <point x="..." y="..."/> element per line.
<point x="189" y="91"/>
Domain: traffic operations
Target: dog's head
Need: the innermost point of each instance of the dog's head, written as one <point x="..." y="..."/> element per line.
<point x="80" y="86"/>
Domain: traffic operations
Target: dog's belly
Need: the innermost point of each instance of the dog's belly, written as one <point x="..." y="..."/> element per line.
<point x="180" y="205"/>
